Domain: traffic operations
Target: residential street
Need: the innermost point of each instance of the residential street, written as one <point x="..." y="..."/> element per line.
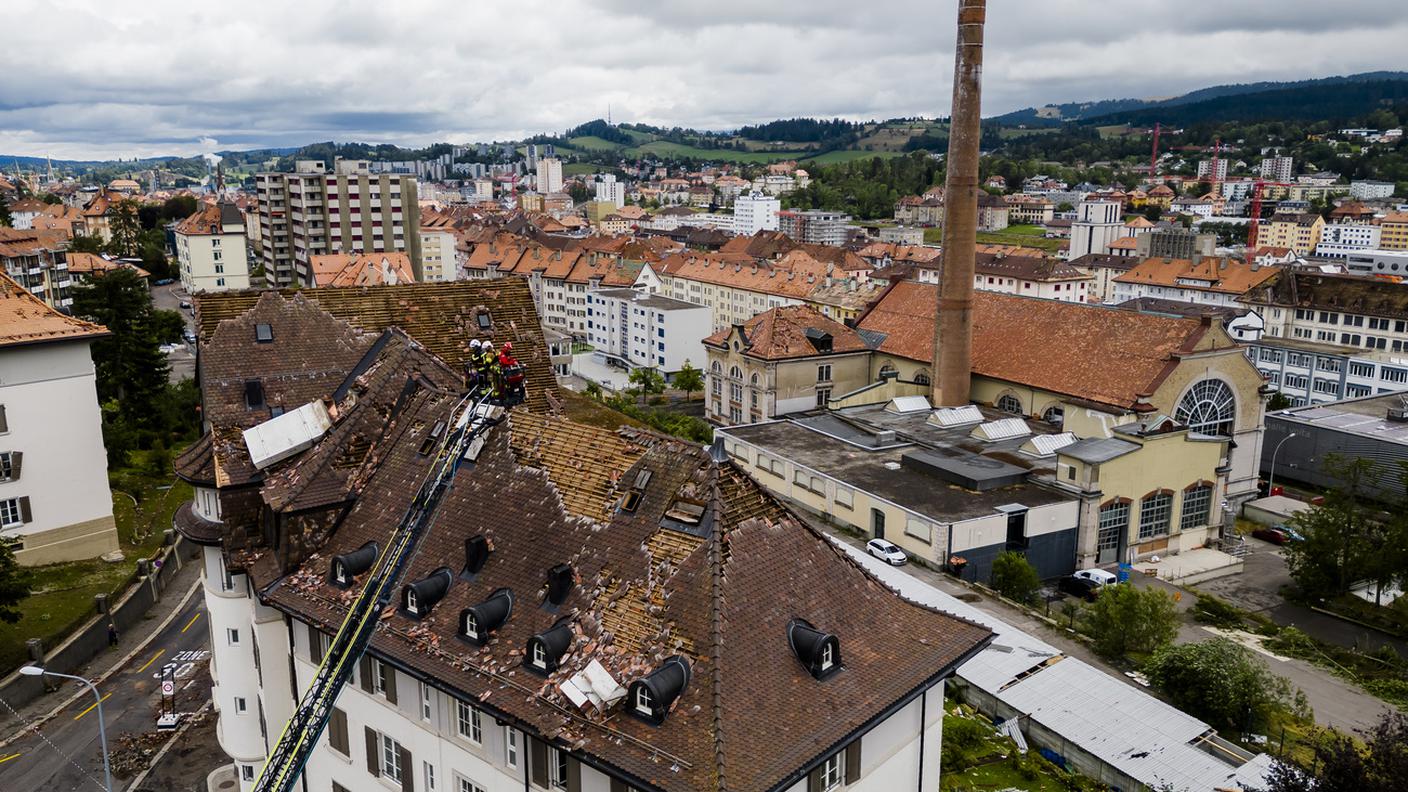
<point x="65" y="753"/>
<point x="183" y="360"/>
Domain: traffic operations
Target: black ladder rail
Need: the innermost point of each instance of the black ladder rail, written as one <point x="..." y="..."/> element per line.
<point x="286" y="761"/>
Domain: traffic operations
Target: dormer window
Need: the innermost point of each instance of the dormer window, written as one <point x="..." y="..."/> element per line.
<point x="471" y="626"/>
<point x="478" y="622"/>
<point x="264" y="333"/>
<point x="347" y="566"/>
<point x="818" y="652"/>
<point x="644" y="705"/>
<point x="545" y="650"/>
<point x="540" y="656"/>
<point x="339" y="573"/>
<point x="827" y="658"/>
<point x="418" y="598"/>
<point x="652" y="695"/>
<point x="412" y="602"/>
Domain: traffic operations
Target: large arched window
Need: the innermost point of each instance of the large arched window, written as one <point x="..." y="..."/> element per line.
<point x="921" y="377"/>
<point x="1208" y="408"/>
<point x="1009" y="404"/>
<point x="1054" y="415"/>
<point x="736" y="373"/>
<point x="887" y="371"/>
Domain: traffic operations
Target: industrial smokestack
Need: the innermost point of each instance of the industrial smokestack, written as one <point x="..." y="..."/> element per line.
<point x="953" y="325"/>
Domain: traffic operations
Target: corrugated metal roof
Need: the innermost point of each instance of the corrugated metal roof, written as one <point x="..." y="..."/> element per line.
<point x="1004" y="429"/>
<point x="956" y="416"/>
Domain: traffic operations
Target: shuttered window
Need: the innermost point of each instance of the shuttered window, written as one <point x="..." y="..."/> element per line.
<point x="337" y="731"/>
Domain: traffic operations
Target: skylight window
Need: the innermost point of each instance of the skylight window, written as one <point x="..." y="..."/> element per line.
<point x="264" y="333"/>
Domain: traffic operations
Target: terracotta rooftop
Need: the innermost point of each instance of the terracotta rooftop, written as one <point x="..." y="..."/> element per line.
<point x="26" y="319"/>
<point x="211" y="219"/>
<point x="1217" y="275"/>
<point x="361" y="269"/>
<point x="1084" y="351"/>
<point x="791" y="332"/>
<point x="92" y="265"/>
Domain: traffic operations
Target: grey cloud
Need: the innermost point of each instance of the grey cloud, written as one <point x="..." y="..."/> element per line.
<point x="155" y="76"/>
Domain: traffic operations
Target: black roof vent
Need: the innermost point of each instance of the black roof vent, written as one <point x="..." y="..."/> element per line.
<point x="419" y="597"/>
<point x="545" y="650"/>
<point x="819" y="652"/>
<point x="477" y="622"/>
<point x="559" y="585"/>
<point x="649" y="698"/>
<point x="348" y="565"/>
<point x="476" y="553"/>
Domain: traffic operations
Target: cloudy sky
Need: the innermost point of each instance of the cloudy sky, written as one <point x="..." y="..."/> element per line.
<point x="107" y="78"/>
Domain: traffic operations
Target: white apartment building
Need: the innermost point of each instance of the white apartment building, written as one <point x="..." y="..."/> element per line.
<point x="55" y="504"/>
<point x="1215" y="170"/>
<point x="755" y="211"/>
<point x="1339" y="240"/>
<point x="211" y="249"/>
<point x="351" y="210"/>
<point x="1277" y="168"/>
<point x="549" y="175"/>
<point x="1367" y="190"/>
<point x="816" y="226"/>
<point x="610" y="191"/>
<point x="481" y="190"/>
<point x="437" y="253"/>
<point x="644" y="330"/>
<point x="1310" y="372"/>
<point x="1097" y="224"/>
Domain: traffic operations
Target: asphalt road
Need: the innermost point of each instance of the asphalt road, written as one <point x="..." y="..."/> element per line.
<point x="183" y="360"/>
<point x="65" y="753"/>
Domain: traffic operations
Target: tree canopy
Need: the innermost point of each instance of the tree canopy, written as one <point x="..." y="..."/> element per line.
<point x="1220" y="681"/>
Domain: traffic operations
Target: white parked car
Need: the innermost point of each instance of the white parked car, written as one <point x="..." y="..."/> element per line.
<point x="886" y="551"/>
<point x="1100" y="577"/>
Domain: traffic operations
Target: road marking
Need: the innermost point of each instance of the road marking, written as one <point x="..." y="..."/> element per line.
<point x="4" y="759"/>
<point x="159" y="653"/>
<point x="192" y="621"/>
<point x="91" y="706"/>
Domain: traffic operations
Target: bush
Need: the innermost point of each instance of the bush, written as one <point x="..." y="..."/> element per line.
<point x="964" y="733"/>
<point x="683" y="426"/>
<point x="1014" y="577"/>
<point x="1211" y="610"/>
<point x="1220" y="681"/>
<point x="1125" y="619"/>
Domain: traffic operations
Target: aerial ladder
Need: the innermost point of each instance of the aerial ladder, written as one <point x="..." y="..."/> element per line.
<point x="477" y="412"/>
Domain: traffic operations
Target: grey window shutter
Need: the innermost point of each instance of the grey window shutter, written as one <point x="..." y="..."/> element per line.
<point x="814" y="780"/>
<point x="15" y="458"/>
<point x="617" y="785"/>
<point x="574" y="775"/>
<point x="538" y="762"/>
<point x="408" y="771"/>
<point x="853" y="761"/>
<point x="390" y="683"/>
<point x="373" y="755"/>
<point x="315" y="644"/>
<point x="4" y="425"/>
<point x="364" y="671"/>
<point x="25" y="514"/>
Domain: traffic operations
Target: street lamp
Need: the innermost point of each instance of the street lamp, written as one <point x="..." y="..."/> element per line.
<point x="34" y="670"/>
<point x="1271" y="480"/>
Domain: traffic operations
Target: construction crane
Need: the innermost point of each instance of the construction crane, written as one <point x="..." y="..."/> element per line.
<point x="281" y="772"/>
<point x="1254" y="224"/>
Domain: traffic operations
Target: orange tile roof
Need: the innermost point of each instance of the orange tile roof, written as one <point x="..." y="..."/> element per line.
<point x="1090" y="352"/>
<point x="361" y="269"/>
<point x="1220" y="275"/>
<point x="781" y="333"/>
<point x="94" y="265"/>
<point x="25" y="319"/>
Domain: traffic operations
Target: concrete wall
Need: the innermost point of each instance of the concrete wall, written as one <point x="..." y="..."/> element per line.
<point x="128" y="613"/>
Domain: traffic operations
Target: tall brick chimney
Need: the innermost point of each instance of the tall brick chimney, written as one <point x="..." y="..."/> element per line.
<point x="953" y="324"/>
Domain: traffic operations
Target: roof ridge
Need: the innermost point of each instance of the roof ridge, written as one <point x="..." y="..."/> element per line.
<point x="716" y="632"/>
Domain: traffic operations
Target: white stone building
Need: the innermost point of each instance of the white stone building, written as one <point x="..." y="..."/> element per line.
<point x="55" y="504"/>
<point x="1339" y="240"/>
<point x="644" y="330"/>
<point x="211" y="249"/>
<point x="1097" y="224"/>
<point x="754" y="212"/>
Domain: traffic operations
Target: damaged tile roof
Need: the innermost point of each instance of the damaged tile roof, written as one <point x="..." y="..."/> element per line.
<point x="26" y="319"/>
<point x="1090" y="352"/>
<point x="782" y="333"/>
<point x="1367" y="296"/>
<point x="361" y="269"/>
<point x="645" y="586"/>
<point x="441" y="316"/>
<point x="1231" y="276"/>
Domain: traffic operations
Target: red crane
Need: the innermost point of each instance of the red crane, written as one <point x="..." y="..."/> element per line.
<point x="1255" y="214"/>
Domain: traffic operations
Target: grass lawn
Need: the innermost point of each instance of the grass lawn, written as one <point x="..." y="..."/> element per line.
<point x="1022" y="236"/>
<point x="664" y="148"/>
<point x="593" y="143"/>
<point x="579" y="168"/>
<point x="62" y="596"/>
<point x="848" y="155"/>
